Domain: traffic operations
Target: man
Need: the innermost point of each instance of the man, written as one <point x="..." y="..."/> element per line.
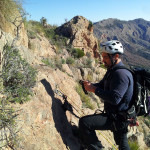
<point x="116" y="89"/>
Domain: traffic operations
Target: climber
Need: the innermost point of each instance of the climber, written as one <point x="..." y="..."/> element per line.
<point x="116" y="89"/>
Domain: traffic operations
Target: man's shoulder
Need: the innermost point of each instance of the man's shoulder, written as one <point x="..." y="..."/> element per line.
<point x="122" y="72"/>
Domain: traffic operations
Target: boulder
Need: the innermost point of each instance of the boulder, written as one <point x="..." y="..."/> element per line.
<point x="77" y="30"/>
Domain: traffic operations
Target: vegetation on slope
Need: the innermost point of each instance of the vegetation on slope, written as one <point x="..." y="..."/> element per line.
<point x="8" y="11"/>
<point x="17" y="77"/>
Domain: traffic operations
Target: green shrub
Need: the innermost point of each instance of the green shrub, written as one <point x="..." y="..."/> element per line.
<point x="70" y="61"/>
<point x="59" y="41"/>
<point x="87" y="62"/>
<point x="48" y="62"/>
<point x="5" y="117"/>
<point x="33" y="28"/>
<point x="59" y="62"/>
<point x="54" y="62"/>
<point x="133" y="145"/>
<point x="88" y="54"/>
<point x="8" y="8"/>
<point x="36" y="27"/>
<point x="97" y="61"/>
<point x="63" y="61"/>
<point x="50" y="32"/>
<point x="9" y="138"/>
<point x="43" y="22"/>
<point x="90" y="25"/>
<point x="18" y="76"/>
<point x="77" y="53"/>
<point x="31" y="34"/>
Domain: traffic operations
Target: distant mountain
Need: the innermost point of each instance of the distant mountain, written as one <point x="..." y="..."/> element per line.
<point x="134" y="35"/>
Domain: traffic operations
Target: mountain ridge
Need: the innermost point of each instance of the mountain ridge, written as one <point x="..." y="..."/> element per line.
<point x="134" y="35"/>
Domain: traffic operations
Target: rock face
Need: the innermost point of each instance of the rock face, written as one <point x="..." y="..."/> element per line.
<point x="80" y="35"/>
<point x="43" y="122"/>
<point x="10" y="27"/>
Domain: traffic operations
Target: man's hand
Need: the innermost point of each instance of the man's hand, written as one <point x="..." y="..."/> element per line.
<point x="89" y="86"/>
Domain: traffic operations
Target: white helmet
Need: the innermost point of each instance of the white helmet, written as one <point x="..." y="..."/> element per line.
<point x="112" y="47"/>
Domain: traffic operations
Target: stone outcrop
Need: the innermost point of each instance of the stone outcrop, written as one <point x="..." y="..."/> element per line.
<point x="14" y="25"/>
<point x="42" y="121"/>
<point x="80" y="35"/>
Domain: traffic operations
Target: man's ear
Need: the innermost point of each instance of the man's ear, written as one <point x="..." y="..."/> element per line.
<point x="116" y="56"/>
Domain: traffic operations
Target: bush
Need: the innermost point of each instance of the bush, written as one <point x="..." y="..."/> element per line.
<point x="90" y="25"/>
<point x="34" y="27"/>
<point x="133" y="145"/>
<point x="77" y="53"/>
<point x="50" y="33"/>
<point x="43" y="22"/>
<point x="18" y="76"/>
<point x="9" y="136"/>
<point x="70" y="61"/>
<point x="31" y="34"/>
<point x="87" y="62"/>
<point x="54" y="62"/>
<point x="88" y="54"/>
<point x="48" y="62"/>
<point x="8" y="8"/>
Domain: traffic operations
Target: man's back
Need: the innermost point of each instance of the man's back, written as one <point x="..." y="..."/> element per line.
<point x="118" y="89"/>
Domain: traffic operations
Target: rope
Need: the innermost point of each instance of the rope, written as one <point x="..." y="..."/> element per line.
<point x="63" y="93"/>
<point x="107" y="140"/>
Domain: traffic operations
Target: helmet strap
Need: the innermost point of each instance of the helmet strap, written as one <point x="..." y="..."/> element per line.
<point x="113" y="62"/>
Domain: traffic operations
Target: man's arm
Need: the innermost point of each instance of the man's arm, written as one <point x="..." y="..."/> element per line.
<point x="118" y="86"/>
<point x="100" y="84"/>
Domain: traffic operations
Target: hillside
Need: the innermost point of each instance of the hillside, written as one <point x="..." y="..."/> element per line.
<point x="61" y="61"/>
<point x="134" y="35"/>
<point x="41" y="123"/>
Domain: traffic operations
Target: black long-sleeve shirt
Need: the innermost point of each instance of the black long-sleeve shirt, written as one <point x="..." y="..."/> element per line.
<point x="116" y="89"/>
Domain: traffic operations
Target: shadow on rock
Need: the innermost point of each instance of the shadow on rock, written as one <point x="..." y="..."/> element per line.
<point x="62" y="125"/>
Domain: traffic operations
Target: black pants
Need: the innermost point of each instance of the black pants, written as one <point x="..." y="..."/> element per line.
<point x="88" y="125"/>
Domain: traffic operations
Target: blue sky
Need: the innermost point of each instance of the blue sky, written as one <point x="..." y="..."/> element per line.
<point x="56" y="11"/>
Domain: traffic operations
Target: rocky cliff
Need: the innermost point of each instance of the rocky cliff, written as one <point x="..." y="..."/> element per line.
<point x="80" y="35"/>
<point x="42" y="122"/>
